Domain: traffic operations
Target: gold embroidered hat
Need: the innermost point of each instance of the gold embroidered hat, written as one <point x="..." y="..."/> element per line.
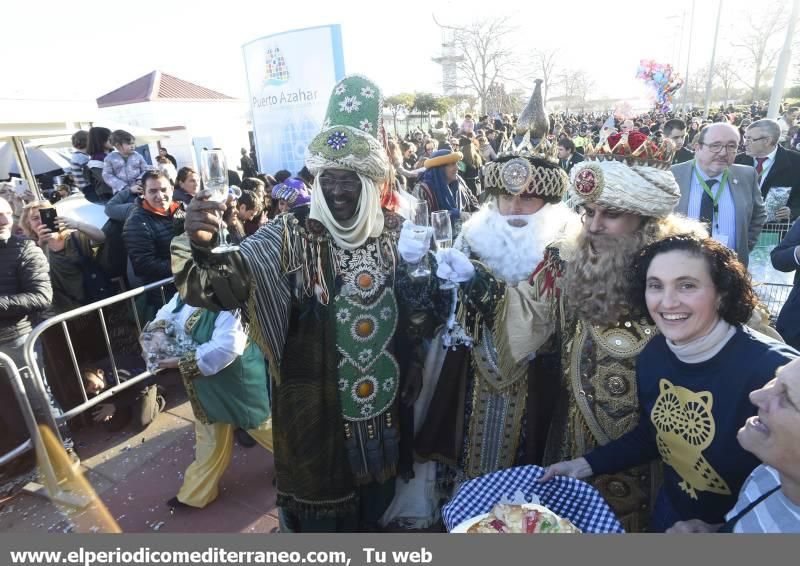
<point x="528" y="162"/>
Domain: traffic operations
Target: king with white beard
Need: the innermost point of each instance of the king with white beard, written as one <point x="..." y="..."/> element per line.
<point x="477" y="410"/>
<point x="512" y="244"/>
<point x="483" y="414"/>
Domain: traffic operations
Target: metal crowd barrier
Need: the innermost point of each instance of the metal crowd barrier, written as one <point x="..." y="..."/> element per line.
<point x="773" y="295"/>
<point x="774" y="232"/>
<point x="38" y="382"/>
<point x="771" y="286"/>
<point x="35" y="441"/>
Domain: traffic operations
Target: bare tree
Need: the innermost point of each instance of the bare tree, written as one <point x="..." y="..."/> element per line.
<point x="582" y="83"/>
<point x="544" y="65"/>
<point x="726" y="73"/>
<point x="575" y="86"/>
<point x="487" y="58"/>
<point x="757" y="43"/>
<point x="696" y="86"/>
<point x="567" y="82"/>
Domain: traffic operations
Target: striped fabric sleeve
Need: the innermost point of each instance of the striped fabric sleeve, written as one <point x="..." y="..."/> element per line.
<point x="76" y="163"/>
<point x="776" y="514"/>
<point x="270" y="296"/>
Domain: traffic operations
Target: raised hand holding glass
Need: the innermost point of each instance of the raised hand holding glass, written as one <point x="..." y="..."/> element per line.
<point x="214" y="171"/>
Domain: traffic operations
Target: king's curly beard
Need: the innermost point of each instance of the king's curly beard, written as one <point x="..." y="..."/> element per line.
<point x="599" y="274"/>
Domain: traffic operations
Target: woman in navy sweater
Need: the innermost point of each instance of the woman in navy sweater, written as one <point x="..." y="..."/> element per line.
<point x="693" y="380"/>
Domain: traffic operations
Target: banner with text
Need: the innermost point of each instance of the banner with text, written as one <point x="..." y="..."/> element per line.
<point x="289" y="76"/>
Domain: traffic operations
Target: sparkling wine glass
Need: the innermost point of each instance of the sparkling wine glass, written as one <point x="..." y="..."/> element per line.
<point x="420" y="230"/>
<point x="443" y="236"/>
<point x="214" y="171"/>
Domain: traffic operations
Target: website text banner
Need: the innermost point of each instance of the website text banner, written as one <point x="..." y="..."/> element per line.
<point x="290" y="76"/>
<point x="400" y="549"/>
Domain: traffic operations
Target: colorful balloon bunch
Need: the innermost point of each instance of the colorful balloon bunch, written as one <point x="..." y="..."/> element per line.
<point x="662" y="79"/>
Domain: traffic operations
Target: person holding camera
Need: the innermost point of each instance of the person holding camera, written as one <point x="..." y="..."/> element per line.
<point x="65" y="241"/>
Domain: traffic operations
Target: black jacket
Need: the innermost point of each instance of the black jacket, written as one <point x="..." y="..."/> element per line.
<point x="147" y="238"/>
<point x="783" y="259"/>
<point x="785" y="172"/>
<point x="25" y="287"/>
<point x="683" y="155"/>
<point x="179" y="195"/>
<point x="570" y="163"/>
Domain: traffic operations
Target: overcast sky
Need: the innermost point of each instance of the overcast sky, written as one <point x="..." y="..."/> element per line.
<point x="54" y="49"/>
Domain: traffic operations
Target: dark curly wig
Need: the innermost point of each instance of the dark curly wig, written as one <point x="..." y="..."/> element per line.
<point x="730" y="277"/>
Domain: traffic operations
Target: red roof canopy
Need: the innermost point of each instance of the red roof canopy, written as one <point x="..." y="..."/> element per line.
<point x="158" y="86"/>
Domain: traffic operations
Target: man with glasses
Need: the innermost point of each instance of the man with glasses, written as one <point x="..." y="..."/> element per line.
<point x="323" y="302"/>
<point x="722" y="195"/>
<point x="675" y="130"/>
<point x="774" y="165"/>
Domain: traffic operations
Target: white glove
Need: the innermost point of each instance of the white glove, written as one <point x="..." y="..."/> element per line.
<point x="454" y="265"/>
<point x="414" y="242"/>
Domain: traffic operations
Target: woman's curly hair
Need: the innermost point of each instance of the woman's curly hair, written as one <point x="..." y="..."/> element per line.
<point x="731" y="279"/>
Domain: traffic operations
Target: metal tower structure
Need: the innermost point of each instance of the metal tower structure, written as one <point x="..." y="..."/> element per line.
<point x="449" y="59"/>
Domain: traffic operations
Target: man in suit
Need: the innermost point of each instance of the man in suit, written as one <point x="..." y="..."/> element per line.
<point x="716" y="191"/>
<point x="567" y="155"/>
<point x="775" y="166"/>
<point x="786" y="257"/>
<point x="675" y="130"/>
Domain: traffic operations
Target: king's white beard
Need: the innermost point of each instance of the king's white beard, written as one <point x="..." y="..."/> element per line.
<point x="512" y="253"/>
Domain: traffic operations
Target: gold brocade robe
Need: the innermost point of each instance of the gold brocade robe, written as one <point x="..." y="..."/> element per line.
<point x="597" y="402"/>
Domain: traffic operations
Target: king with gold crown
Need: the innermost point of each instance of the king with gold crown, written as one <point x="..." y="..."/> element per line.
<point x="578" y="303"/>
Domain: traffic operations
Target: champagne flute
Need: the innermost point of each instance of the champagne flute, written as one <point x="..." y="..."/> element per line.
<point x="443" y="236"/>
<point x="214" y="172"/>
<point x="420" y="230"/>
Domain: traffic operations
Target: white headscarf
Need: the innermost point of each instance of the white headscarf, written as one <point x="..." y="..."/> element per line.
<point x="366" y="223"/>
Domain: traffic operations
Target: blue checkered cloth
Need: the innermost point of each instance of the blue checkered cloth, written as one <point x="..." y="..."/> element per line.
<point x="567" y="497"/>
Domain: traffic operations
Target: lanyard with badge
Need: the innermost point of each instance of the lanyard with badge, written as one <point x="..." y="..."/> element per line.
<point x="713" y="196"/>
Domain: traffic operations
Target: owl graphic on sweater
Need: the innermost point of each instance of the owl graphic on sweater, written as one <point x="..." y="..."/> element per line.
<point x="684" y="428"/>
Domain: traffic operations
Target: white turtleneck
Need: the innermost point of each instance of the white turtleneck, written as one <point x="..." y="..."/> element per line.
<point x="705" y="347"/>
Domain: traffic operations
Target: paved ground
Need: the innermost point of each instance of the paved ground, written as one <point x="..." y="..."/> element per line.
<point x="135" y="474"/>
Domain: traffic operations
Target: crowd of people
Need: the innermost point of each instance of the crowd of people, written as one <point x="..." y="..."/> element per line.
<point x="590" y="313"/>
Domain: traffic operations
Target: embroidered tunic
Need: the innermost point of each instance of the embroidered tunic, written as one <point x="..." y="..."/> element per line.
<point x="597" y="401"/>
<point x="326" y="319"/>
<point x="477" y="420"/>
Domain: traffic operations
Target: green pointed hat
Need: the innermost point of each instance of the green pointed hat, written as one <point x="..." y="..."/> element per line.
<point x="350" y="131"/>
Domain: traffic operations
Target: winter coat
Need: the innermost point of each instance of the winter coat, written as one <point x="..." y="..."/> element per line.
<point x="147" y="238"/>
<point x="25" y="288"/>
<point x="120" y="173"/>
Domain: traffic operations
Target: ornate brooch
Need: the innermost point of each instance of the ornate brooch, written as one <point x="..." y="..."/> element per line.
<point x="516" y="174"/>
<point x="589" y="182"/>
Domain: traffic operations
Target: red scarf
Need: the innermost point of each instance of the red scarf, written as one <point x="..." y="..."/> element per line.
<point x="173" y="206"/>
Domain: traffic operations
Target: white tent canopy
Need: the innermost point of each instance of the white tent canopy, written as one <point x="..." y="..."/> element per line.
<point x="41" y="160"/>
